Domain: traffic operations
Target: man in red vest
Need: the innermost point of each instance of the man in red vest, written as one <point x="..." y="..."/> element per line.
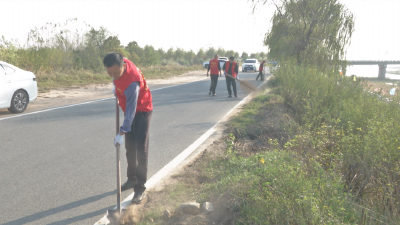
<point x="231" y="68"/>
<point x="215" y="68"/>
<point x="260" y="74"/>
<point x="135" y="100"/>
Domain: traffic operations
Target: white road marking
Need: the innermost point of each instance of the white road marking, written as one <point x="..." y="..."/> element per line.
<point x="84" y="103"/>
<point x="173" y="163"/>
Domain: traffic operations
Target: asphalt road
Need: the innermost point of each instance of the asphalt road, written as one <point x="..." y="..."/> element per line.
<point x="58" y="167"/>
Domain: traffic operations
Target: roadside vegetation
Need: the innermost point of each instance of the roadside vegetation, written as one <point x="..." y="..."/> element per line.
<point x="394" y="72"/>
<point x="71" y="54"/>
<point x="314" y="148"/>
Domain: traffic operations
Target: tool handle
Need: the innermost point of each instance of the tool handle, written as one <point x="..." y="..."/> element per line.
<point x="118" y="159"/>
<point x="117" y="114"/>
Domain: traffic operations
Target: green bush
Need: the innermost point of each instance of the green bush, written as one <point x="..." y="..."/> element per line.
<point x="345" y="125"/>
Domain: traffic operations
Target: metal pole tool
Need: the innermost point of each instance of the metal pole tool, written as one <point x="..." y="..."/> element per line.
<point x="114" y="215"/>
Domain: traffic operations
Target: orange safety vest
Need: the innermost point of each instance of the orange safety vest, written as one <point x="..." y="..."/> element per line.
<point x="133" y="74"/>
<point x="233" y="68"/>
<point x="214" y="67"/>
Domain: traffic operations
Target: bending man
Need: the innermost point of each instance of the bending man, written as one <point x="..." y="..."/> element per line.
<point x="231" y="68"/>
<point x="215" y="68"/>
<point x="135" y="100"/>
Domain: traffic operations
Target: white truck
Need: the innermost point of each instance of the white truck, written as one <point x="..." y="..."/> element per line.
<point x="221" y="60"/>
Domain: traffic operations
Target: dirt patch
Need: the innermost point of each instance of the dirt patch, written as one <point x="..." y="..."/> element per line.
<point x="74" y="95"/>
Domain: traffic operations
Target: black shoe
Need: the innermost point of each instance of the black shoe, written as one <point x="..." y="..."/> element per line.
<point x="128" y="185"/>
<point x="214" y="94"/>
<point x="209" y="93"/>
<point x="235" y="96"/>
<point x="138" y="197"/>
<point x="230" y="96"/>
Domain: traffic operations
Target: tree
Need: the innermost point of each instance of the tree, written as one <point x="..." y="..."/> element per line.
<point x="309" y="31"/>
<point x="237" y="55"/>
<point x="134" y="47"/>
<point x="262" y="55"/>
<point x="170" y="54"/>
<point x="254" y="56"/>
<point x="179" y="53"/>
<point x="210" y="53"/>
<point x="221" y="52"/>
<point x="150" y="56"/>
<point x="201" y="54"/>
<point x="161" y="53"/>
<point x="244" y="56"/>
<point x="190" y="55"/>
<point x="230" y="53"/>
<point x="111" y="44"/>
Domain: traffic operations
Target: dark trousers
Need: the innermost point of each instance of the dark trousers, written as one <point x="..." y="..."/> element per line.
<point x="261" y="75"/>
<point x="214" y="81"/>
<point x="137" y="149"/>
<point x="230" y="81"/>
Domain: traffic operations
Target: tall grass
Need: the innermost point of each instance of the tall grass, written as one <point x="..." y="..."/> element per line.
<point x="346" y="126"/>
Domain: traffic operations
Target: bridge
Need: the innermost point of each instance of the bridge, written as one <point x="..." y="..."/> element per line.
<point x="381" y="64"/>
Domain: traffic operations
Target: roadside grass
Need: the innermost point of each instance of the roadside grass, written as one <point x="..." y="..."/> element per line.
<point x="394" y="72"/>
<point x="273" y="185"/>
<point x="79" y="78"/>
<point x="316" y="149"/>
<point x="347" y="130"/>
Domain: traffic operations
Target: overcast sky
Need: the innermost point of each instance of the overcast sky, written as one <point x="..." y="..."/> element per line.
<point x="192" y="24"/>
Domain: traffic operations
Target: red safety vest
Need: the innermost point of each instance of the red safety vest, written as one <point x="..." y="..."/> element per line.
<point x="133" y="74"/>
<point x="233" y="68"/>
<point x="261" y="67"/>
<point x="214" y="67"/>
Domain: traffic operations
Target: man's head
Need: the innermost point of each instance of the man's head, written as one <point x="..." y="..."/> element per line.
<point x="216" y="56"/>
<point x="231" y="59"/>
<point x="263" y="61"/>
<point x="115" y="65"/>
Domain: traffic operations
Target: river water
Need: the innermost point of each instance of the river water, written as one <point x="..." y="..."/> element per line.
<point x="372" y="71"/>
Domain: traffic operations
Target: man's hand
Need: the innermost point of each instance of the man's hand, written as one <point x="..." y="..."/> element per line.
<point x="119" y="139"/>
<point x="113" y="91"/>
<point x="207" y="74"/>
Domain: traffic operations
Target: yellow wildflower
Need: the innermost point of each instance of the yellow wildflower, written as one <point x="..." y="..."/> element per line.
<point x="262" y="160"/>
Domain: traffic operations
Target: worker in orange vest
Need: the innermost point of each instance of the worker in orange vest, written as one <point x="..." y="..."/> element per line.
<point x="134" y="98"/>
<point x="231" y="68"/>
<point x="215" y="69"/>
<point x="260" y="74"/>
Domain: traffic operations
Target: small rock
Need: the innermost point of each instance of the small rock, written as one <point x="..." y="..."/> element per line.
<point x="192" y="208"/>
<point x="167" y="214"/>
<point x="207" y="207"/>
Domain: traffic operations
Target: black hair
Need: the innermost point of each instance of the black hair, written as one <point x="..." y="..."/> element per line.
<point x="231" y="58"/>
<point x="112" y="59"/>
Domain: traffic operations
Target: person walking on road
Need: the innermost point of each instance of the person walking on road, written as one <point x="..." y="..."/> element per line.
<point x="231" y="68"/>
<point x="215" y="69"/>
<point x="260" y="74"/>
<point x="135" y="100"/>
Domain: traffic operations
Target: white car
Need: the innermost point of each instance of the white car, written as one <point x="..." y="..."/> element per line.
<point x="17" y="88"/>
<point x="250" y="64"/>
<point x="221" y="60"/>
